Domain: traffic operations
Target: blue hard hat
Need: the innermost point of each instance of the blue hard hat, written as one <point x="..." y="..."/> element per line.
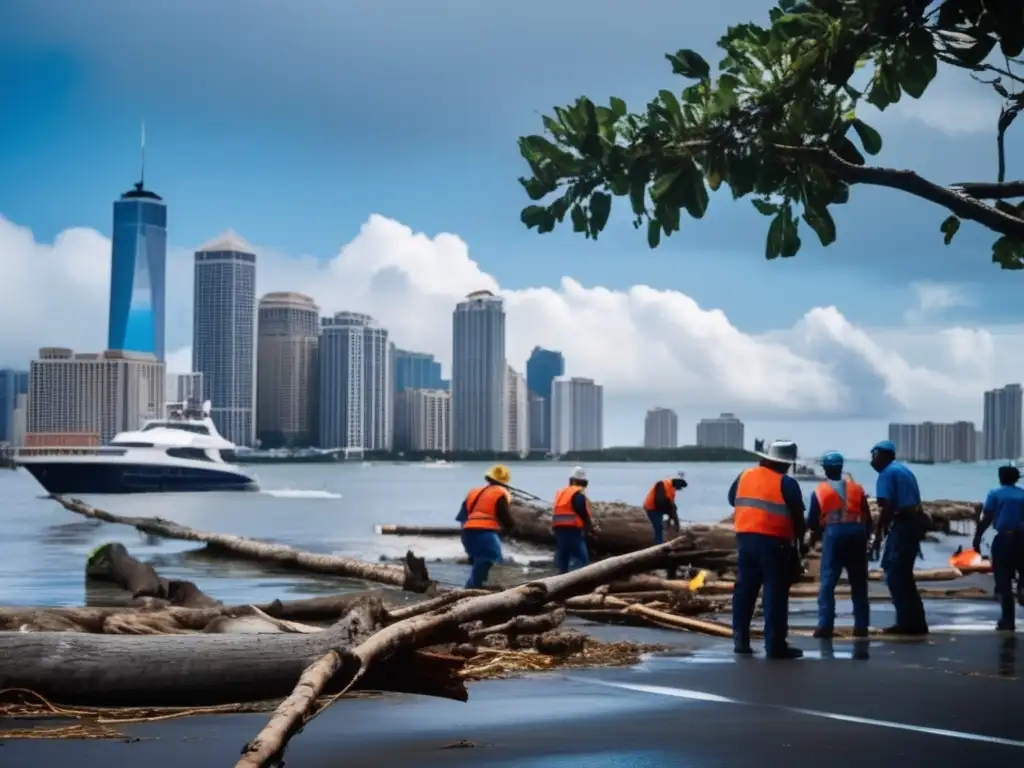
<point x="832" y="459"/>
<point x="884" y="445"/>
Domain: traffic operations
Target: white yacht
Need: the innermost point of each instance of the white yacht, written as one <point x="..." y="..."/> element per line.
<point x="183" y="452"/>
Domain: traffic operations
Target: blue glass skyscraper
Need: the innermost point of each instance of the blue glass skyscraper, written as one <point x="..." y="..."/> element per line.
<point x="417" y="370"/>
<point x="138" y="273"/>
<point x="12" y="384"/>
<point x="542" y="368"/>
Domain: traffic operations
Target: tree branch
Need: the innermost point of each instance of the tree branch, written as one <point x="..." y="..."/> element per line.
<point x="954" y="200"/>
<point x="990" y="190"/>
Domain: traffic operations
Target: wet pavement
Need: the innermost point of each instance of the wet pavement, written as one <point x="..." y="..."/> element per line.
<point x="952" y="699"/>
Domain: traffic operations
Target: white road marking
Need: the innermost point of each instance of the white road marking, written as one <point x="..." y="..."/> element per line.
<point x="684" y="693"/>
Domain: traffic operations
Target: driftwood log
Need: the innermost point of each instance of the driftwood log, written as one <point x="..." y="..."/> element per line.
<point x="431" y="628"/>
<point x="112" y="562"/>
<point x="413" y="577"/>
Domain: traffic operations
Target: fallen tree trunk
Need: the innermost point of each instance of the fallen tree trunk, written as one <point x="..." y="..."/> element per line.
<point x="413" y="577"/>
<point x="112" y="562"/>
<point x="433" y="628"/>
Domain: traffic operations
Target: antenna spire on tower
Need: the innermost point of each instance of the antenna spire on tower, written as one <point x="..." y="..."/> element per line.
<point x="142" y="156"/>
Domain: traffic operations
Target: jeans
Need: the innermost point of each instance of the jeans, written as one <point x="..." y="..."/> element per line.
<point x="570" y="545"/>
<point x="901" y="547"/>
<point x="1007" y="560"/>
<point x="484" y="550"/>
<point x="658" y="526"/>
<point x="763" y="561"/>
<point x="849" y="551"/>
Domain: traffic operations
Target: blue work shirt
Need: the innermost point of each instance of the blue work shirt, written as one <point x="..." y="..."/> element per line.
<point x="897" y="484"/>
<point x="836" y="529"/>
<point x="1005" y="505"/>
<point x="791" y="494"/>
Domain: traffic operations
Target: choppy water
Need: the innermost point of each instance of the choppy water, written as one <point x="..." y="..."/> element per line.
<point x="334" y="508"/>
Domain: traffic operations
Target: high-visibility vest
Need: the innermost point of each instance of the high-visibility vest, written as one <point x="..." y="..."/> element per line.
<point x="670" y="493"/>
<point x="563" y="515"/>
<point x="839" y="507"/>
<point x="760" y="506"/>
<point x="482" y="505"/>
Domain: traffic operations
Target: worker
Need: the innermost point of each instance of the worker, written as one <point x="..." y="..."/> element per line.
<point x="571" y="520"/>
<point x="1004" y="511"/>
<point x="661" y="503"/>
<point x="769" y="523"/>
<point x="901" y="525"/>
<point x="483" y="515"/>
<point x="839" y="515"/>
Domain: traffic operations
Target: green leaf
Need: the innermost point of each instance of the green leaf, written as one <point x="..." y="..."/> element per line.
<point x="847" y="150"/>
<point x="869" y="137"/>
<point x="820" y="220"/>
<point x="579" y="219"/>
<point x="773" y="243"/>
<point x="949" y="228"/>
<point x="663" y="183"/>
<point x="637" y="195"/>
<point x="689" y="64"/>
<point x="885" y="87"/>
<point x="973" y="55"/>
<point x="672" y="106"/>
<point x="618" y="106"/>
<point x="536" y="190"/>
<point x="1008" y="253"/>
<point x="537" y="216"/>
<point x="653" y="233"/>
<point x="695" y="194"/>
<point x="918" y="66"/>
<point x="794" y="25"/>
<point x="600" y="207"/>
<point x="764" y="207"/>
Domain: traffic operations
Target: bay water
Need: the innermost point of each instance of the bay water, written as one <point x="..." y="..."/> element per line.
<point x="335" y="508"/>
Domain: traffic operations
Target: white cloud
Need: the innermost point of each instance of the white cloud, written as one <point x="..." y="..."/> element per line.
<point x="644" y="345"/>
<point x="933" y="299"/>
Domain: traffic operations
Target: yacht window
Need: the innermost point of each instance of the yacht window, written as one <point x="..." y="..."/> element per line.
<point x="196" y="429"/>
<point x="197" y="454"/>
<point x="121" y="444"/>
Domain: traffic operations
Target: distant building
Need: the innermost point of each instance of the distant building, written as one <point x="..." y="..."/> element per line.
<point x="12" y="384"/>
<point x="355" y="392"/>
<point x="517" y="420"/>
<point x="423" y="420"/>
<point x="542" y="368"/>
<point x="540" y="411"/>
<point x="661" y="429"/>
<point x="88" y="398"/>
<point x="478" y="373"/>
<point x="19" y="421"/>
<point x="224" y="333"/>
<point x="286" y="370"/>
<point x="184" y="387"/>
<point x="1002" y="423"/>
<point x="138" y="273"/>
<point x="577" y="413"/>
<point x="726" y="431"/>
<point x="933" y="442"/>
<point x="416" y="370"/>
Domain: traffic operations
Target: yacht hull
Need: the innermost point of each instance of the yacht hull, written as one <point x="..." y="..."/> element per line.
<point x="68" y="477"/>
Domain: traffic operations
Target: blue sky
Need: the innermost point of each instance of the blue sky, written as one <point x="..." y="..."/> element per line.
<point x="292" y="123"/>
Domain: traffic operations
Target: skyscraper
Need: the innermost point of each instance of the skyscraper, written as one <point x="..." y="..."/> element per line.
<point x="577" y="414"/>
<point x="184" y="388"/>
<point x="1002" y="424"/>
<point x="355" y="391"/>
<point x="416" y="370"/>
<point x="543" y="367"/>
<point x="478" y="373"/>
<point x="286" y="365"/>
<point x="724" y="432"/>
<point x="224" y="333"/>
<point x="12" y="384"/>
<point x="661" y="429"/>
<point x="138" y="272"/>
<point x="517" y="414"/>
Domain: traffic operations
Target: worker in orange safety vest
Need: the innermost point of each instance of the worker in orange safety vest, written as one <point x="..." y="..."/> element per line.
<point x="485" y="514"/>
<point x="571" y="520"/>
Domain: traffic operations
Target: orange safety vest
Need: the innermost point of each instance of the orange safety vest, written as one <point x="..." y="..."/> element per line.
<point x="563" y="515"/>
<point x="834" y="509"/>
<point x="760" y="507"/>
<point x="670" y="492"/>
<point x="482" y="505"/>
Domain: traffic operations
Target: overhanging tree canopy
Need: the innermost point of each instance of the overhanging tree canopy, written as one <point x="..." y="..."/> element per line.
<point x="777" y="122"/>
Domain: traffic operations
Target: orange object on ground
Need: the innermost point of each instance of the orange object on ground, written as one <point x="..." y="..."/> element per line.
<point x="970" y="561"/>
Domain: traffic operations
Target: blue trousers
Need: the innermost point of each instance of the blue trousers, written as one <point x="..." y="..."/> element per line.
<point x="570" y="545"/>
<point x="484" y="550"/>
<point x="898" y="558"/>
<point x="764" y="561"/>
<point x="844" y="550"/>
<point x="1007" y="560"/>
<point x="658" y="526"/>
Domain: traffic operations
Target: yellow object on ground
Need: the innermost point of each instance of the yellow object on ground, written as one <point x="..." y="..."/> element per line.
<point x="697" y="581"/>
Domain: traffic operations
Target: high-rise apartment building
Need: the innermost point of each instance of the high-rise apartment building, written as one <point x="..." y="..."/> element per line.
<point x="286" y="365"/>
<point x="517" y="419"/>
<point x="19" y="420"/>
<point x="932" y="442"/>
<point x="355" y="391"/>
<point x="661" y="429"/>
<point x="577" y="415"/>
<point x="423" y="420"/>
<point x="138" y="273"/>
<point x="478" y="373"/>
<point x="12" y="384"/>
<point x="542" y="368"/>
<point x="184" y="388"/>
<point x="416" y="370"/>
<point x="86" y="399"/>
<point x="224" y="333"/>
<point x="1002" y="423"/>
<point x="724" y="432"/>
<point x="539" y="425"/>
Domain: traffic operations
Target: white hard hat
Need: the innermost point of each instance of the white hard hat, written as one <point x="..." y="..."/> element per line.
<point x="579" y="473"/>
<point x="681" y="474"/>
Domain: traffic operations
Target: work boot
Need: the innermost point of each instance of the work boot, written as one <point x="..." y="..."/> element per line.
<point x="860" y="632"/>
<point x="824" y="633"/>
<point x="1005" y="626"/>
<point x="741" y="646"/>
<point x="785" y="653"/>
